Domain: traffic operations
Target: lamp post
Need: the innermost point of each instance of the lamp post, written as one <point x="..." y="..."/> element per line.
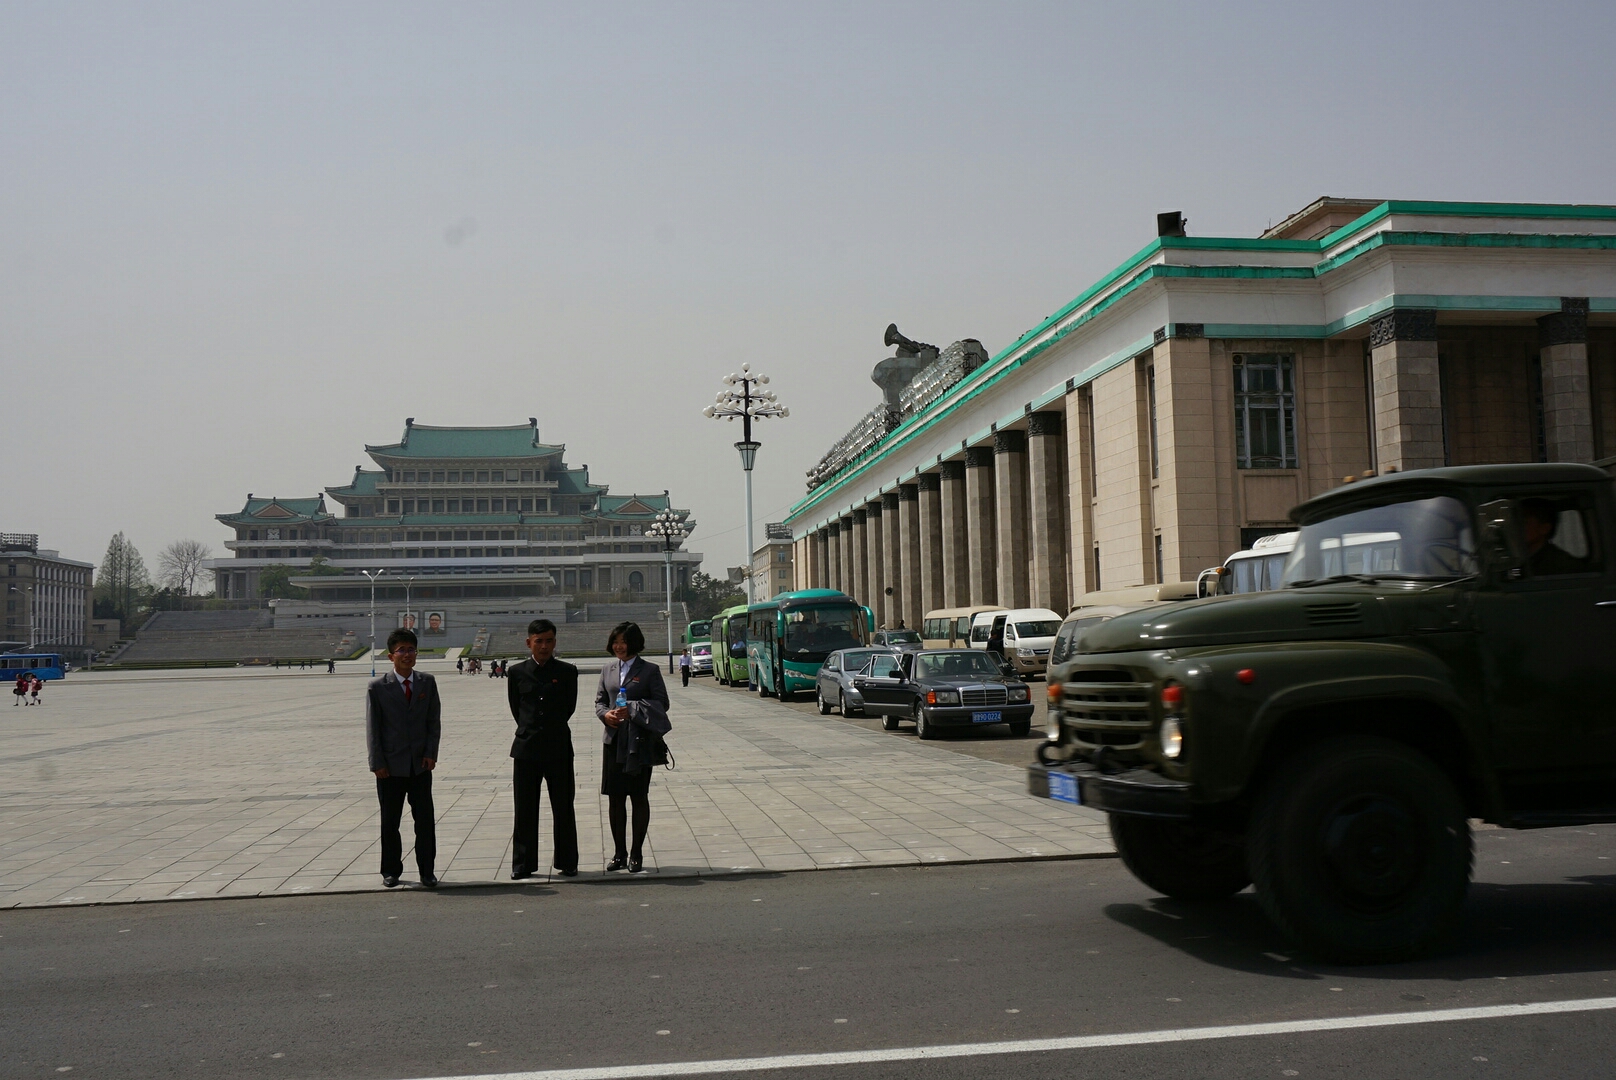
<point x="670" y="529"/>
<point x="409" y="612"/>
<point x="373" y="575"/>
<point x="744" y="401"/>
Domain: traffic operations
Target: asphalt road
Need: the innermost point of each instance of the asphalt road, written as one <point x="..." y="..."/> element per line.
<point x="637" y="971"/>
<point x="992" y="742"/>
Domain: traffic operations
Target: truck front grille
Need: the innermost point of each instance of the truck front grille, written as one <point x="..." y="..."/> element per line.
<point x="977" y="696"/>
<point x="1106" y="708"/>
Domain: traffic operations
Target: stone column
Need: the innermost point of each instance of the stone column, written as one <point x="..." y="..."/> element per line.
<point x="861" y="558"/>
<point x="877" y="601"/>
<point x="1407" y="390"/>
<point x="931" y="544"/>
<point x="956" y="567"/>
<point x="1046" y="510"/>
<point x="1010" y="498"/>
<point x="892" y="559"/>
<point x="817" y="573"/>
<point x="909" y="554"/>
<point x="833" y="577"/>
<point x="849" y="584"/>
<point x="1187" y="505"/>
<point x="979" y="526"/>
<point x="1568" y="421"/>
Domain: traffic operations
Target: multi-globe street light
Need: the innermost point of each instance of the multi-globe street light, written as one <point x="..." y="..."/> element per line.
<point x="668" y="527"/>
<point x="373" y="575"/>
<point x="743" y="401"/>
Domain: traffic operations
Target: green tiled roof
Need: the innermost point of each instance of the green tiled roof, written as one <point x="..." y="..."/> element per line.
<point x="424" y="441"/>
<point x="290" y="511"/>
<point x="364" y="483"/>
<point x="576" y="482"/>
<point x="611" y="504"/>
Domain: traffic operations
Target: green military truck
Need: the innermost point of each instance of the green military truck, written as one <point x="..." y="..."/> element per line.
<point x="1440" y="651"/>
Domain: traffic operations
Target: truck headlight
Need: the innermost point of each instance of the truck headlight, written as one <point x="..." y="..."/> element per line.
<point x="1172" y="738"/>
<point x="1052" y="727"/>
<point x="1018" y="693"/>
<point x="1026" y="652"/>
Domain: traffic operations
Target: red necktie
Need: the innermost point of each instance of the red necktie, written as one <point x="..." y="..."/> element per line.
<point x="406" y="691"/>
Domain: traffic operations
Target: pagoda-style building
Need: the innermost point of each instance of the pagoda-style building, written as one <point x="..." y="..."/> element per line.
<point x="464" y="516"/>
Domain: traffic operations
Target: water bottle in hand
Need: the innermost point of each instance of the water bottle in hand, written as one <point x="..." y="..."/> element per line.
<point x="622" y="698"/>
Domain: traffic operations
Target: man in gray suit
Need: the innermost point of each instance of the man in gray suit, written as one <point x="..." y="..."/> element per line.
<point x="403" y="721"/>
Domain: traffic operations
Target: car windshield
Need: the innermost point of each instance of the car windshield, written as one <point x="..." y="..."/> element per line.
<point x="1041" y="628"/>
<point x="903" y="637"/>
<point x="700" y="650"/>
<point x="857" y="658"/>
<point x="956" y="665"/>
<point x="1422" y="539"/>
<point x="817" y="632"/>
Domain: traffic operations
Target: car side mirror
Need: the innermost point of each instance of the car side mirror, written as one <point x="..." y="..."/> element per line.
<point x="1501" y="533"/>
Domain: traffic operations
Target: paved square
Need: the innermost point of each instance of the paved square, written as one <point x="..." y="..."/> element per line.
<point x="154" y="786"/>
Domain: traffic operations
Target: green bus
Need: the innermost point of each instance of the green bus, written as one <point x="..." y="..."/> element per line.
<point x="790" y="636"/>
<point x="698" y="631"/>
<point x="728" y="635"/>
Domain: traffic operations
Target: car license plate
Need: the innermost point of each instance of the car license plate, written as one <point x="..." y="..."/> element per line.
<point x="987" y="718"/>
<point x="1063" y="787"/>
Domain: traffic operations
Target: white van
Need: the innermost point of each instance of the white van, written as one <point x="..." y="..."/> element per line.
<point x="1259" y="568"/>
<point x="1028" y="635"/>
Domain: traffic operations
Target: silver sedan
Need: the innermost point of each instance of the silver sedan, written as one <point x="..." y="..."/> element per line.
<point x="835" y="685"/>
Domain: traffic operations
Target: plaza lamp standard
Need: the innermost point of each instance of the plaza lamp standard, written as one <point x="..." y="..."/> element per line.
<point x="373" y="575"/>
<point x="668" y="528"/>
<point x="745" y="402"/>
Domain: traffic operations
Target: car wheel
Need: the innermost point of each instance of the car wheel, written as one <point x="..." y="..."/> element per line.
<point x="841" y="702"/>
<point x="1021" y="728"/>
<point x="819" y="699"/>
<point x="923" y="727"/>
<point x="1361" y="851"/>
<point x="1179" y="859"/>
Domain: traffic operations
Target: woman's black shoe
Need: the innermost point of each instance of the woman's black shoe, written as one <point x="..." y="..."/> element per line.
<point x="636" y="866"/>
<point x="619" y="863"/>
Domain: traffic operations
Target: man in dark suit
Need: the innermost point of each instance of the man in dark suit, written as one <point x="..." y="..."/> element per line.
<point x="543" y="692"/>
<point x="403" y="722"/>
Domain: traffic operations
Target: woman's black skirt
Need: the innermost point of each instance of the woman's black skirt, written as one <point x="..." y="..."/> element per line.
<point x="614" y="781"/>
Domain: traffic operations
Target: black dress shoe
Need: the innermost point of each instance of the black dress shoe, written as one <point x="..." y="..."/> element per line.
<point x="636" y="866"/>
<point x="518" y="875"/>
<point x="618" y="863"/>
<point x="390" y="880"/>
<point x="567" y="873"/>
<point x="429" y="881"/>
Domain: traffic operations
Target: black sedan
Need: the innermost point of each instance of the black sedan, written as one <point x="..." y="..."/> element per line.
<point x="943" y="688"/>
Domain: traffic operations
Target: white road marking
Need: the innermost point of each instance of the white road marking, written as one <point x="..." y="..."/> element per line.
<point x="1036" y="1046"/>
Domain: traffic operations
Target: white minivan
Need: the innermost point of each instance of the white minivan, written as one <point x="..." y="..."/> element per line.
<point x="1028" y="635"/>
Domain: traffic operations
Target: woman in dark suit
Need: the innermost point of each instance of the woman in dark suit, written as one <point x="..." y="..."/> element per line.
<point x="640" y="680"/>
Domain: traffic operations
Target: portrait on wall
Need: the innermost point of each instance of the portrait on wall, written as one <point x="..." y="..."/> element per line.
<point x="407" y="619"/>
<point x="435" y="623"/>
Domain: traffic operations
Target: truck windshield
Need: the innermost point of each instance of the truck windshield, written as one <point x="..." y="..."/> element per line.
<point x="1422" y="539"/>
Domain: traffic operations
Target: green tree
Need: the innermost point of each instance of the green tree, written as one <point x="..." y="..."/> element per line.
<point x="320" y="566"/>
<point x="707" y="596"/>
<point x="276" y="580"/>
<point x="123" y="586"/>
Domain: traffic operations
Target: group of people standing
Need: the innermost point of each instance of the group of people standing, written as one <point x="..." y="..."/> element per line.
<point x="28" y="686"/>
<point x="403" y="722"/>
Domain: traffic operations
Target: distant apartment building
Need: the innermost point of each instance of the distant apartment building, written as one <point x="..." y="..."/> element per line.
<point x="773" y="566"/>
<point x="49" y="600"/>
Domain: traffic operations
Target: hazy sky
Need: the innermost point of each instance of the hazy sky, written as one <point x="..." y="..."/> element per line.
<point x="239" y="241"/>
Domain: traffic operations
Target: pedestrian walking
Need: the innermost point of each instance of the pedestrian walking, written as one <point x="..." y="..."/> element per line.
<point x="331" y="666"/>
<point x="403" y="723"/>
<point x="20" y="691"/>
<point x="460" y="665"/>
<point x="35" y="687"/>
<point x="543" y="694"/>
<point x="631" y="699"/>
<point x="684" y="667"/>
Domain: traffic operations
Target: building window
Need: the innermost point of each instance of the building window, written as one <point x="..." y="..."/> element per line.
<point x="409" y="506"/>
<point x="437" y="506"/>
<point x="1155" y="456"/>
<point x="498" y="476"/>
<point x="636" y="582"/>
<point x="541" y="505"/>
<point x="454" y="478"/>
<point x="437" y="477"/>
<point x="453" y="507"/>
<point x="499" y="506"/>
<point x="409" y="478"/>
<point x="392" y="506"/>
<point x="527" y="476"/>
<point x="1159" y="567"/>
<point x="1264" y="412"/>
<point x="482" y="477"/>
<point x="482" y="506"/>
<point x="527" y="505"/>
<point x="617" y="530"/>
<point x="1096" y="567"/>
<point x="1094" y="456"/>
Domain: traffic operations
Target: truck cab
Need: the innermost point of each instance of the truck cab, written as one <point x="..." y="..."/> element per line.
<point x="1436" y="652"/>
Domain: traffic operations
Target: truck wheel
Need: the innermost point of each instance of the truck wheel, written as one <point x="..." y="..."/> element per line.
<point x="1179" y="859"/>
<point x="1361" y="852"/>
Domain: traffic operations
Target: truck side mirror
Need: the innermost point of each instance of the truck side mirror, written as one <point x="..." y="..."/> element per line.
<point x="1501" y="533"/>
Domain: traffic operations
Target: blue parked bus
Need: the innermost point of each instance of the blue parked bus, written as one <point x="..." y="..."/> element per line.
<point x="46" y="665"/>
<point x="789" y="637"/>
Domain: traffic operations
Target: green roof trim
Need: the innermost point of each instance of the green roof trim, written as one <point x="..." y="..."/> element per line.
<point x="423" y="441"/>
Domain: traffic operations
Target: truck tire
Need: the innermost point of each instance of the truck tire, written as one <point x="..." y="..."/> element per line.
<point x="1361" y="852"/>
<point x="1180" y="859"/>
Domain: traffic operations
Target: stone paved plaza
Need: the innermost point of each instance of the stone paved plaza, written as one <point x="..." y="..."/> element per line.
<point x="155" y="786"/>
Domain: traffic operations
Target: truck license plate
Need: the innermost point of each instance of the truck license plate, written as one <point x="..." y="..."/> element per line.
<point x="1063" y="788"/>
<point x="987" y="718"/>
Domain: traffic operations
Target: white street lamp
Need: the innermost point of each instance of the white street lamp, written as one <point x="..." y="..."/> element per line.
<point x="373" y="575"/>
<point x="670" y="528"/>
<point x="409" y="612"/>
<point x="745" y="402"/>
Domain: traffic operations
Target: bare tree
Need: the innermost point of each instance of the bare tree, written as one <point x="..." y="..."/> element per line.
<point x="123" y="583"/>
<point x="179" y="565"/>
